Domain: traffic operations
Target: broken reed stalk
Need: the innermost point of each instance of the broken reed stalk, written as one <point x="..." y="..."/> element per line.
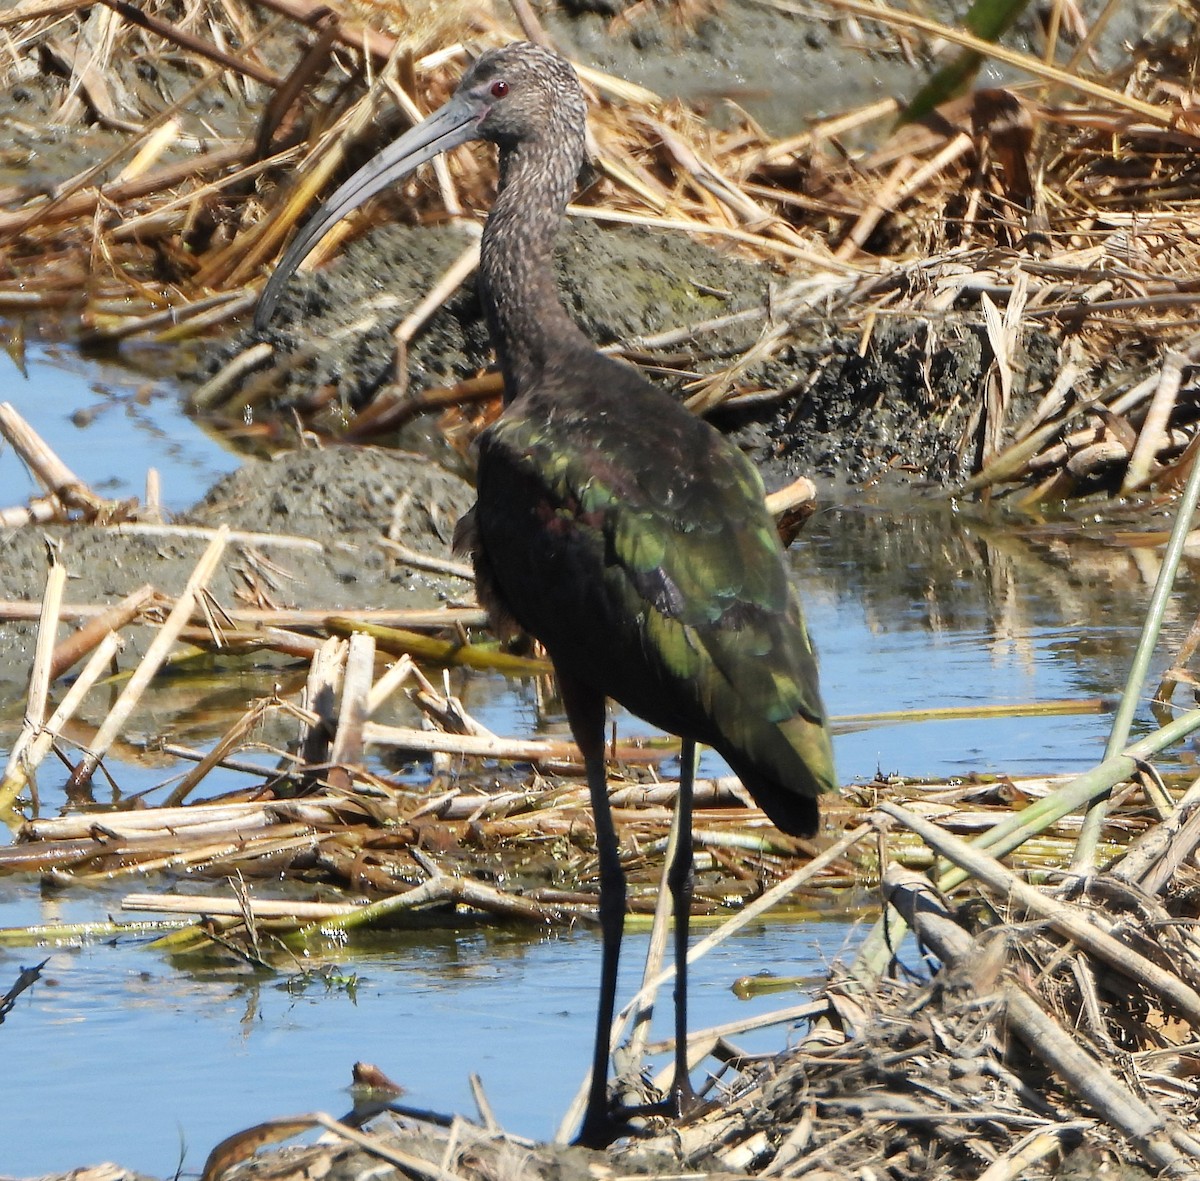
<point x="298" y="909"/>
<point x="152" y="661"/>
<point x="1068" y="921"/>
<point x="54" y="475"/>
<point x="1154" y="426"/>
<point x="230" y="741"/>
<point x="634" y="1050"/>
<point x="112" y="619"/>
<point x="1089" y="837"/>
<point x="39" y="677"/>
<point x="879" y="947"/>
<point x="1085" y="1075"/>
<point x="22" y="762"/>
<point x="439" y="889"/>
<point x="359" y="670"/>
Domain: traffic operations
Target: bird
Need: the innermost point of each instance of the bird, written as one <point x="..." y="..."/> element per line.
<point x="620" y="530"/>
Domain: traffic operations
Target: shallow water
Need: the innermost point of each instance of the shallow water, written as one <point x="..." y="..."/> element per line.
<point x="109" y="425"/>
<point x="122" y="1053"/>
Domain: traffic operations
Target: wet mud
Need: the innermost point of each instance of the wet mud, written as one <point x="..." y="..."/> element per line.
<point x="344" y="498"/>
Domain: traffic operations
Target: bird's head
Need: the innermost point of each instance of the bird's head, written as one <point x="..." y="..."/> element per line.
<point x="512" y="95"/>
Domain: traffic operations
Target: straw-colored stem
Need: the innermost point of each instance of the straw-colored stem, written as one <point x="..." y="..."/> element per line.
<point x="23" y="763"/>
<point x="39" y="677"/>
<point x="155" y="655"/>
<point x="881" y="943"/>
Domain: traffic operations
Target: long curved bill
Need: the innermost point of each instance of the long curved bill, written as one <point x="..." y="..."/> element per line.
<point x="450" y="125"/>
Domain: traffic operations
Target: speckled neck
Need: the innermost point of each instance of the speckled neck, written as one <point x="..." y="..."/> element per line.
<point x="529" y="325"/>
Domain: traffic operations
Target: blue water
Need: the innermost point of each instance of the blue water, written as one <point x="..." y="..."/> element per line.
<point x="108" y="426"/>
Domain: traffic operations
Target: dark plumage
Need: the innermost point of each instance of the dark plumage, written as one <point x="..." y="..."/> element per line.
<point x="625" y="534"/>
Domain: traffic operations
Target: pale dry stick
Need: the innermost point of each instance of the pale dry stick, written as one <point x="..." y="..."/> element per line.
<point x="1003" y="331"/>
<point x="1154" y="425"/>
<point x="744" y="209"/>
<point x="902" y="182"/>
<point x="1087" y="1077"/>
<point x="408" y="1164"/>
<point x="619" y="89"/>
<point x="156" y="143"/>
<point x="419" y="561"/>
<point x="202" y="533"/>
<point x="299" y="909"/>
<point x="41" y="511"/>
<point x="482" y="1105"/>
<point x="441" y="166"/>
<point x="629" y="1063"/>
<point x="22" y="763"/>
<point x="151" y="662"/>
<point x="320" y="693"/>
<point x="50" y="471"/>
<point x="833" y="128"/>
<point x="79" y="643"/>
<point x="284" y="838"/>
<point x="521" y="750"/>
<point x="134" y="325"/>
<point x="219" y="388"/>
<point x="197" y="325"/>
<point x="347" y="747"/>
<point x="1067" y="920"/>
<point x="448" y="283"/>
<point x="22" y="610"/>
<point x="176" y="750"/>
<point x="1154" y="856"/>
<point x="701" y="948"/>
<point x="1011" y="462"/>
<point x="230" y="740"/>
<point x="711" y="391"/>
<point x="439" y="889"/>
<point x="153" y="499"/>
<point x="39" y="676"/>
<point x="387" y="684"/>
<point x="803" y="1012"/>
<point x="194" y="817"/>
<point x="1052" y="400"/>
<point x="881" y="202"/>
<point x="1178" y="669"/>
<point x="1098" y="25"/>
<point x="826" y="262"/>
<point x="31" y="10"/>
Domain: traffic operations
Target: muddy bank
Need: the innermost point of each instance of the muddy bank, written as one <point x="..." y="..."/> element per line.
<point x="903" y="403"/>
<point x="344" y="499"/>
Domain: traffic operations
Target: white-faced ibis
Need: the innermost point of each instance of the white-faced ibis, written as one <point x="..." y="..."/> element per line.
<point x="613" y="525"/>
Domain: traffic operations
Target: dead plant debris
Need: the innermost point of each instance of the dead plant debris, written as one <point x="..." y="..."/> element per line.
<point x="1051" y="221"/>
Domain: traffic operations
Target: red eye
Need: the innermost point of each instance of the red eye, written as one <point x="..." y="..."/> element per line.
<point x="499" y="88"/>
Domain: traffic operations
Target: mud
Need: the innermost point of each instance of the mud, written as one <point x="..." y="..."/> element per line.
<point x="333" y="330"/>
<point x="816" y="62"/>
<point x="902" y="407"/>
<point x="343" y="497"/>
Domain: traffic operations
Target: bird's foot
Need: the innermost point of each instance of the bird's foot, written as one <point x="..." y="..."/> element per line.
<point x="599" y="1131"/>
<point x="601" y="1127"/>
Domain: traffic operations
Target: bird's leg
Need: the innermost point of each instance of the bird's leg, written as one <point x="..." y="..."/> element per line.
<point x="680" y="880"/>
<point x="585" y="712"/>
